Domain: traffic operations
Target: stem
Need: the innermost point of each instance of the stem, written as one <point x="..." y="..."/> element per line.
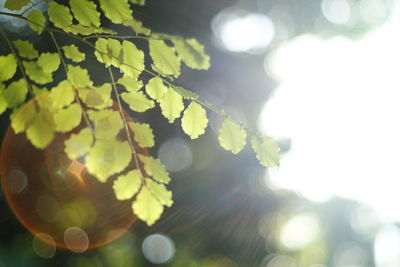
<point x="77" y="99"/>
<point x="120" y="37"/>
<point x="121" y="111"/>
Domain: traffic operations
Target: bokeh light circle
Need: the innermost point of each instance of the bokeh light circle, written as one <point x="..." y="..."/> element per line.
<point x="158" y="248"/>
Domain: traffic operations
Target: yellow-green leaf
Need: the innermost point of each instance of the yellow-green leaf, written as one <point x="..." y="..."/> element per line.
<point x="8" y="67"/>
<point x="16" y="4"/>
<point x="78" y="145"/>
<point x="155" y="169"/>
<point x="267" y="150"/>
<point x="133" y="60"/>
<point x="78" y="77"/>
<point x="40" y="132"/>
<point x="114" y="48"/>
<point x="62" y="95"/>
<point x="15" y="93"/>
<point x="69" y="118"/>
<point x="160" y="192"/>
<point x="36" y="73"/>
<point x="72" y="52"/>
<point x="36" y="21"/>
<point x="101" y="52"/>
<point x="22" y="117"/>
<point x="97" y="97"/>
<point x="147" y="207"/>
<point x="231" y="136"/>
<point x="138" y="2"/>
<point x="194" y="120"/>
<point x="137" y="26"/>
<point x="86" y="30"/>
<point x="59" y="15"/>
<point x="108" y="157"/>
<point x="116" y="10"/>
<point x="143" y="134"/>
<point x="192" y="53"/>
<point x="156" y="89"/>
<point x="166" y="62"/>
<point x="126" y="186"/>
<point x="130" y="84"/>
<point x="25" y="49"/>
<point x="186" y="93"/>
<point x="49" y="62"/>
<point x="107" y="122"/>
<point x="171" y="105"/>
<point x="137" y="101"/>
<point x="85" y="12"/>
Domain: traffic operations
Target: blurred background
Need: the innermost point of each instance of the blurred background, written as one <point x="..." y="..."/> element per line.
<point x="321" y="76"/>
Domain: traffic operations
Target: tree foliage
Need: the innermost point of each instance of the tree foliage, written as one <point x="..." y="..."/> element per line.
<point x="42" y="112"/>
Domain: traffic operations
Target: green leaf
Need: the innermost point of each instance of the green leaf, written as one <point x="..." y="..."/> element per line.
<point x="186" y="93"/>
<point x="130" y="84"/>
<point x="72" y="52"/>
<point x="49" y="62"/>
<point x="143" y="134"/>
<point x="116" y="10"/>
<point x="59" y="15"/>
<point x="138" y="2"/>
<point x="78" y="145"/>
<point x="62" y="95"/>
<point x="171" y="105"/>
<point x="85" y="12"/>
<point x="166" y="62"/>
<point x="86" y="30"/>
<point x="155" y="169"/>
<point x="22" y="117"/>
<point x="15" y="93"/>
<point x="101" y="52"/>
<point x="25" y="49"/>
<point x="36" y="73"/>
<point x="137" y="26"/>
<point x="133" y="60"/>
<point x="3" y="101"/>
<point x="40" y="131"/>
<point x="192" y="53"/>
<point x="194" y="120"/>
<point x="108" y="157"/>
<point x="8" y="67"/>
<point x="137" y="101"/>
<point x="267" y="150"/>
<point x="97" y="97"/>
<point x="107" y="122"/>
<point x="126" y="186"/>
<point x="69" y="118"/>
<point x="156" y="89"/>
<point x="37" y="21"/>
<point x="78" y="77"/>
<point x="114" y="48"/>
<point x="231" y="136"/>
<point x="16" y="4"/>
<point x="160" y="192"/>
<point x="147" y="207"/>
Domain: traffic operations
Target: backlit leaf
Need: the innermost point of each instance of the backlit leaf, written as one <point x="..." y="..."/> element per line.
<point x="126" y="186"/>
<point x="147" y="207"/>
<point x="107" y="122"/>
<point x="114" y="48"/>
<point x="186" y="93"/>
<point x="85" y="12"/>
<point x="138" y="2"/>
<point x="267" y="151"/>
<point x="49" y="62"/>
<point x="133" y="60"/>
<point x="116" y="10"/>
<point x="62" y="95"/>
<point x="194" y="120"/>
<point x="36" y="73"/>
<point x="25" y="49"/>
<point x="137" y="101"/>
<point x="166" y="62"/>
<point x="22" y="117"/>
<point x="40" y="132"/>
<point x="77" y="145"/>
<point x="156" y="89"/>
<point x="231" y="136"/>
<point x="36" y="21"/>
<point x="78" y="77"/>
<point x="101" y="52"/>
<point x="137" y="26"/>
<point x="155" y="169"/>
<point x="143" y="134"/>
<point x="192" y="53"/>
<point x="160" y="192"/>
<point x="16" y="4"/>
<point x="130" y="84"/>
<point x="59" y="15"/>
<point x="3" y="101"/>
<point x="69" y="118"/>
<point x="171" y="105"/>
<point x="86" y="30"/>
<point x="8" y="67"/>
<point x="108" y="157"/>
<point x="72" y="52"/>
<point x="15" y="93"/>
<point x="97" y="97"/>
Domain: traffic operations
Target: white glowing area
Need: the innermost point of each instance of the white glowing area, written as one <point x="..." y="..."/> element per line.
<point x="339" y="102"/>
